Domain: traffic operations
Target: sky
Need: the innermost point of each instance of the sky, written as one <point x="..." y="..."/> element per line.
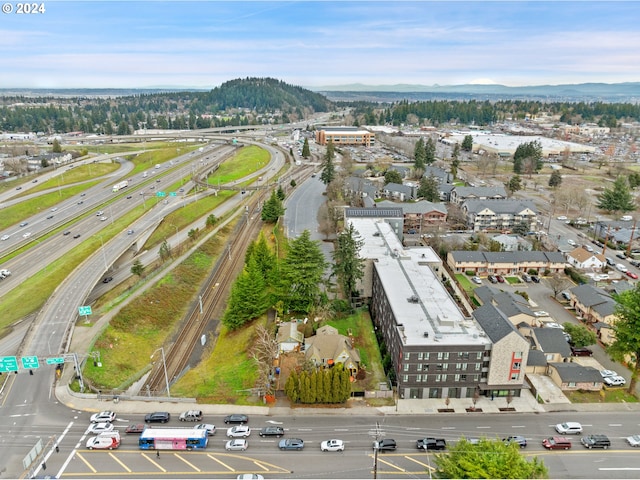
<point x="202" y="44"/>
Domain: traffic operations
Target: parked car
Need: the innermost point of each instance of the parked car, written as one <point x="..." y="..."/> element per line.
<point x="569" y="428"/>
<point x="135" y="428"/>
<point x="237" y="444"/>
<point x="476" y="280"/>
<point x="518" y="439"/>
<point x="239" y="431"/>
<point x="271" y="432"/>
<point x="621" y="268"/>
<point x="616" y="381"/>
<point x="611" y="262"/>
<point x="386" y="444"/>
<point x="332" y="446"/>
<point x="101" y="427"/>
<point x="581" y="352"/>
<point x="596" y="441"/>
<point x="608" y="373"/>
<point x="431" y="443"/>
<point x="541" y="313"/>
<point x="492" y="279"/>
<point x="291" y="444"/>
<point x="535" y="279"/>
<point x="106" y="416"/>
<point x="249" y="476"/>
<point x="621" y="256"/>
<point x="500" y="278"/>
<point x="210" y="428"/>
<point x="236" y="418"/>
<point x="157" y="417"/>
<point x="526" y="277"/>
<point x="191" y="416"/>
<point x="631" y="274"/>
<point x="634" y="440"/>
<point x="556" y="443"/>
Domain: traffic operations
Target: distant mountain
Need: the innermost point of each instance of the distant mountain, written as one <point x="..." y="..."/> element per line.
<point x="618" y="92"/>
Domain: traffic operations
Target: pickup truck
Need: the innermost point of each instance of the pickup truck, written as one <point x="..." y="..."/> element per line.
<point x="431" y="443"/>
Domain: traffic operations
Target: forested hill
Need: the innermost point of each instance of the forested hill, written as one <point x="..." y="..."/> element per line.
<point x="266" y="94"/>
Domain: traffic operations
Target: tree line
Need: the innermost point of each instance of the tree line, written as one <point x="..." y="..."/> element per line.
<point x="329" y="385"/>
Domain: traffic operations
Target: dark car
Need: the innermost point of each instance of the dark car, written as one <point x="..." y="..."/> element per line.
<point x="24" y="224"/>
<point x="135" y="428"/>
<point x="49" y="217"/>
<point x="581" y="352"/>
<point x="157" y="417"/>
<point x="621" y="256"/>
<point x="291" y="444"/>
<point x="596" y="441"/>
<point x="272" y="432"/>
<point x="77" y="235"/>
<point x="492" y="279"/>
<point x="556" y="443"/>
<point x="431" y="443"/>
<point x="386" y="444"/>
<point x="80" y="202"/>
<point x="535" y="279"/>
<point x="128" y="197"/>
<point x="66" y="232"/>
<point x="107" y="279"/>
<point x="519" y="439"/>
<point x="236" y="418"/>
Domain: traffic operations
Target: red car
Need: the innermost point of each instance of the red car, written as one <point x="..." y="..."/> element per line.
<point x="632" y="275"/>
<point x="500" y="278"/>
<point x="135" y="428"/>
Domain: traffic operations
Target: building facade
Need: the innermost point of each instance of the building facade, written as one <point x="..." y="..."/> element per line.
<point x="345" y="136"/>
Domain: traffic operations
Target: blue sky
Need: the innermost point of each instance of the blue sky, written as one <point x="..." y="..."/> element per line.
<point x="202" y="44"/>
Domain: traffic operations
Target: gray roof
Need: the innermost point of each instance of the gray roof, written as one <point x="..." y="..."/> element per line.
<point x="398" y="187"/>
<point x="536" y="358"/>
<point x="551" y="340"/>
<point x="442" y="175"/>
<point x="423" y="206"/>
<point x="574" y="372"/>
<point x="485" y="293"/>
<point x="463" y="192"/>
<point x="499" y="206"/>
<point x="509" y="257"/>
<point x="493" y="322"/>
<point x="623" y="286"/>
<point x="512" y="304"/>
<point x="374" y="212"/>
<point x="588" y="295"/>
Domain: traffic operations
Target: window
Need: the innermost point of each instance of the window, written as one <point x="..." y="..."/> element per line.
<point x="515" y="376"/>
<point x="419" y="367"/>
<point x="444" y="378"/>
<point x="406" y="367"/>
<point x="425" y="367"/>
<point x="445" y="366"/>
<point x="420" y="354"/>
<point x="516" y="366"/>
<point x="426" y="355"/>
<point x="407" y="356"/>
<point x="517" y="354"/>
<point x="405" y="378"/>
<point x="478" y="366"/>
<point x="463" y="377"/>
<point x="458" y="366"/>
<point x="418" y="378"/>
<point x="446" y="355"/>
<point x="457" y="377"/>
<point x="572" y="384"/>
<point x="465" y="366"/>
<point x="479" y="355"/>
<point x="438" y="378"/>
<point x="464" y="355"/>
<point x="439" y="355"/>
<point x="439" y="366"/>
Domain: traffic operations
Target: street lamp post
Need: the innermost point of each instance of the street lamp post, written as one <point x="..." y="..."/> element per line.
<point x="164" y="366"/>
<point x="104" y="255"/>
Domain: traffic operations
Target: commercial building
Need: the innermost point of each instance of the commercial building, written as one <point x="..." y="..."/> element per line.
<point x="345" y="136"/>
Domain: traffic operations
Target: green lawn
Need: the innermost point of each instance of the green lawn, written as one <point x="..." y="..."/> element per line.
<point x="609" y="395"/>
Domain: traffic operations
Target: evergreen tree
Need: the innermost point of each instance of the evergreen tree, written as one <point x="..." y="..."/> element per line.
<point x="328" y="168"/>
<point x="467" y="143"/>
<point x="428" y="189"/>
<point x="306" y="152"/>
<point x="336" y="385"/>
<point x="272" y="209"/>
<point x="248" y="299"/>
<point x="419" y="155"/>
<point x="514" y="184"/>
<point x="626" y="346"/>
<point x="313" y="383"/>
<point x="291" y="387"/>
<point x="347" y="264"/>
<point x="280" y="193"/>
<point x="137" y="268"/>
<point x="56" y="148"/>
<point x="555" y="179"/>
<point x="617" y="198"/>
<point x="392" y="176"/>
<point x="429" y="151"/>
<point x="301" y="274"/>
<point x="264" y="257"/>
<point x="528" y="153"/>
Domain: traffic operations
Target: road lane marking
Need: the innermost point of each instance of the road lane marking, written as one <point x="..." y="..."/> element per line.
<point x="448" y="428"/>
<point x="484" y="427"/>
<point x="177" y="455"/>
<point x="119" y="461"/>
<point x="220" y="462"/>
<point x="615" y="424"/>
<point x="154" y="462"/>
<point x="380" y="460"/>
<point x="619" y="468"/>
<point x="86" y="462"/>
<point x="518" y="426"/>
<point x="426" y="465"/>
<point x="340" y="429"/>
<point x="259" y="464"/>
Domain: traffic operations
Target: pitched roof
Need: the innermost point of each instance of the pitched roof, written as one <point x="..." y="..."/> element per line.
<point x="574" y="372"/>
<point x="588" y="295"/>
<point x="581" y="255"/>
<point x="422" y="206"/>
<point x="500" y="206"/>
<point x="493" y="322"/>
<point x="536" y="358"/>
<point x="463" y="192"/>
<point x="551" y="340"/>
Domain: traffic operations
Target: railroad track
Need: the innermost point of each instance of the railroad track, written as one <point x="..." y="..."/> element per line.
<point x="212" y="297"/>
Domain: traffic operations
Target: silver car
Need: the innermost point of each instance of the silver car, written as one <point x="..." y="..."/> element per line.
<point x="237" y="444"/>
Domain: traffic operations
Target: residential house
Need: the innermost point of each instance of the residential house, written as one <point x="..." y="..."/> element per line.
<point x="505" y="263"/>
<point x="573" y="376"/>
<point x="512" y="243"/>
<point x="419" y="217"/>
<point x="551" y="341"/>
<point x="328" y="348"/>
<point x="593" y="304"/>
<point x="288" y="337"/>
<point x="512" y="305"/>
<point x="584" y="260"/>
<point x="442" y="176"/>
<point x="461" y="194"/>
<point x="399" y="191"/>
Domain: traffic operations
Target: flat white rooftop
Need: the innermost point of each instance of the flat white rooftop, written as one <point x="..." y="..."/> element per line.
<point x="509" y="143"/>
<point x="425" y="312"/>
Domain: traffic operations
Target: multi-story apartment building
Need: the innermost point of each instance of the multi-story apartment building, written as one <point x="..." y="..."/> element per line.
<point x="437" y="351"/>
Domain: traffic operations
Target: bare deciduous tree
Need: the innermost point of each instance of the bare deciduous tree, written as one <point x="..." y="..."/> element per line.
<point x="265" y="350"/>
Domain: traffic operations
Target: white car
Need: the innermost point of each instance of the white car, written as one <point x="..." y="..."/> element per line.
<point x="54" y="209"/>
<point x="102" y="219"/>
<point x="249" y="476"/>
<point x="614" y="381"/>
<point x="5" y="237"/>
<point x="101" y="427"/>
<point x="562" y="217"/>
<point x="26" y="234"/>
<point x="477" y="280"/>
<point x="332" y="446"/>
<point x="239" y="431"/>
<point x="621" y="268"/>
<point x="608" y="373"/>
<point x="211" y="429"/>
<point x="634" y="440"/>
<point x="569" y="428"/>
<point x="541" y="313"/>
<point x="237" y="444"/>
<point x="103" y="417"/>
<point x="571" y="242"/>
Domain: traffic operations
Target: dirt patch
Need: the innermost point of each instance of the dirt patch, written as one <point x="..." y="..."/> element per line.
<point x="446" y="410"/>
<point x="473" y="409"/>
<point x="287" y="362"/>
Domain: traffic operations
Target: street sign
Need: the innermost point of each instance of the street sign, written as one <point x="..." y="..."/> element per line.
<point x="8" y="364"/>
<point x="85" y="310"/>
<point x="55" y="360"/>
<point x="30" y="362"/>
<point x="173" y="194"/>
<point x="161" y="194"/>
